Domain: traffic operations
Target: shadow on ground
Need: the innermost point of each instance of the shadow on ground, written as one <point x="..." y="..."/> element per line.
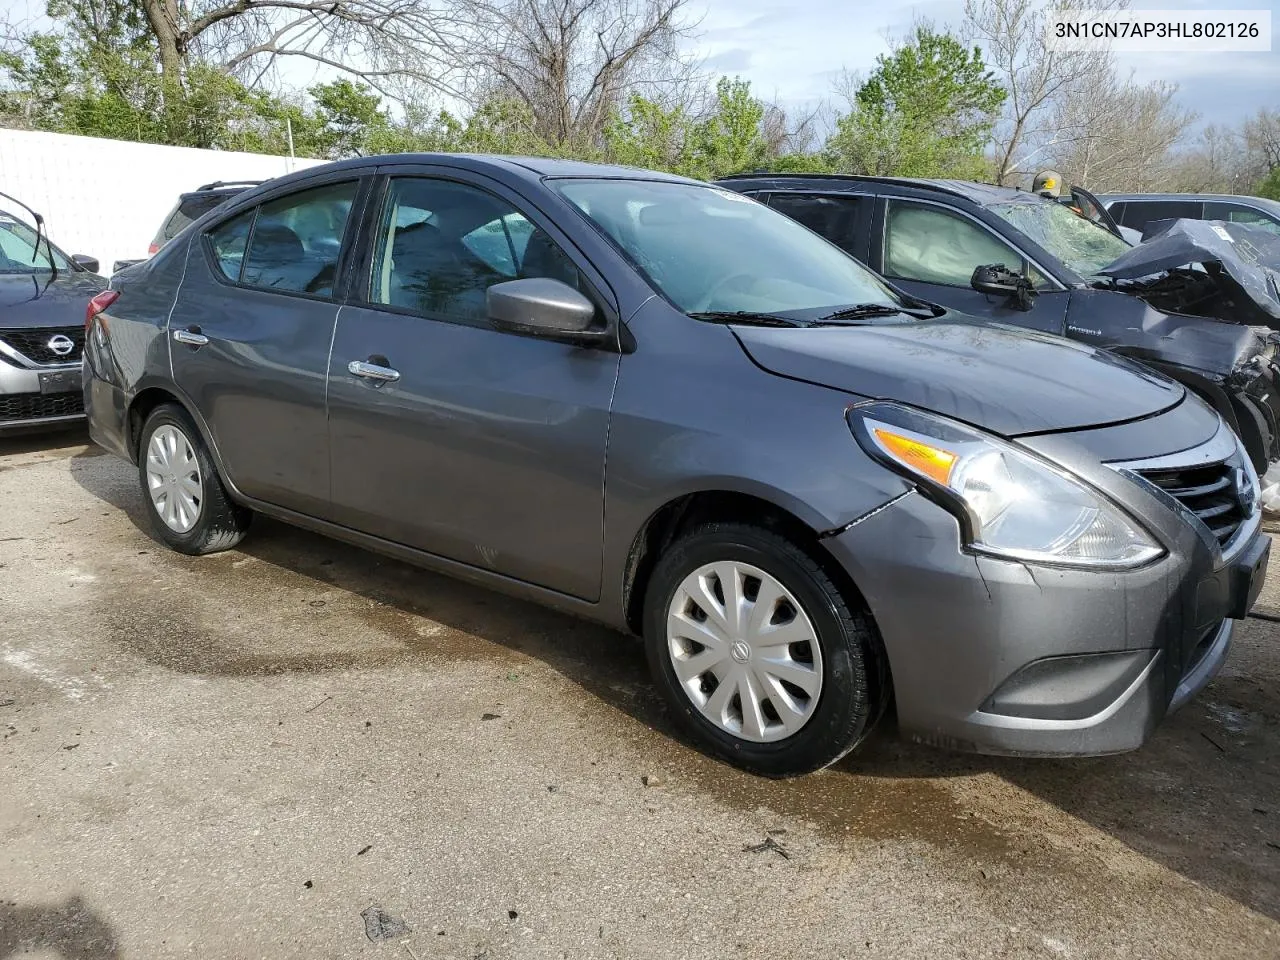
<point x="1203" y="797"/>
<point x="70" y="930"/>
<point x="13" y="444"/>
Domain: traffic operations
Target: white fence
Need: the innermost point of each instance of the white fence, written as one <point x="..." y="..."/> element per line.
<point x="107" y="198"/>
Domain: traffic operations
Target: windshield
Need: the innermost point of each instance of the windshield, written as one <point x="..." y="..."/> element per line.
<point x="18" y="253"/>
<point x="711" y="250"/>
<point x="1083" y="246"/>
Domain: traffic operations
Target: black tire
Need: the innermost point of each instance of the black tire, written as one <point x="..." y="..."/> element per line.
<point x="855" y="686"/>
<point x="220" y="524"/>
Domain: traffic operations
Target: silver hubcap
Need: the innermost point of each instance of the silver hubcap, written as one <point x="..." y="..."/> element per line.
<point x="173" y="478"/>
<point x="744" y="651"/>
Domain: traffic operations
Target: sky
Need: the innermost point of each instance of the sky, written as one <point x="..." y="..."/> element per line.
<point x="793" y="50"/>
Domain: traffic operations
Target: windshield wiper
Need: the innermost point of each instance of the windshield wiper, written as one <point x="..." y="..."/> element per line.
<point x="40" y="235"/>
<point x="746" y="317"/>
<point x="862" y="311"/>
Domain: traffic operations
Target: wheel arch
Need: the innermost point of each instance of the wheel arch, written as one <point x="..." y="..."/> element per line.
<point x="690" y="510"/>
<point x="152" y="396"/>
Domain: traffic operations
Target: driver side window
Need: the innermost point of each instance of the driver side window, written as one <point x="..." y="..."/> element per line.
<point x="442" y="244"/>
<point x="932" y="245"/>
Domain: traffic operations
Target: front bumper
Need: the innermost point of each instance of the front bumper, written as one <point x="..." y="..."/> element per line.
<point x="27" y="404"/>
<point x="995" y="656"/>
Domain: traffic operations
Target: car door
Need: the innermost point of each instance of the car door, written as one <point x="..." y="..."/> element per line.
<point x="844" y="219"/>
<point x="931" y="252"/>
<point x="249" y="338"/>
<point x="1091" y="208"/>
<point x="448" y="435"/>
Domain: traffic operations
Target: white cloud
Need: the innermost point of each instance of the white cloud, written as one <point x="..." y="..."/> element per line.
<point x="794" y="51"/>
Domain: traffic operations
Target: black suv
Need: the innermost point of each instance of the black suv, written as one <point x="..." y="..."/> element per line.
<point x="191" y="207"/>
<point x="1018" y="258"/>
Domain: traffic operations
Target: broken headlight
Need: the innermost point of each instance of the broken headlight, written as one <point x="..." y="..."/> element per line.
<point x="1010" y="503"/>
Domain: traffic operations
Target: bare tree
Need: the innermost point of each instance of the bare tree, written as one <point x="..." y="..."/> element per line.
<point x="1111" y="134"/>
<point x="1262" y="139"/>
<point x="1014" y="36"/>
<point x="790" y="131"/>
<point x="379" y="41"/>
<point x="571" y="63"/>
<point x="1215" y="162"/>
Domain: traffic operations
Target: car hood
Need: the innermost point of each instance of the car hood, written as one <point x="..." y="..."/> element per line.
<point x="31" y="300"/>
<point x="1002" y="379"/>
<point x="1245" y="261"/>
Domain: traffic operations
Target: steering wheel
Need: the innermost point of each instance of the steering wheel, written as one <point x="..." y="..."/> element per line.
<point x="737" y="282"/>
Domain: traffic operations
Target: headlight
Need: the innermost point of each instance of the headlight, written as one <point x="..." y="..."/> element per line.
<point x="1010" y="503"/>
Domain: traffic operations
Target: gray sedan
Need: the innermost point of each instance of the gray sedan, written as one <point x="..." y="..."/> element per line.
<point x="666" y="407"/>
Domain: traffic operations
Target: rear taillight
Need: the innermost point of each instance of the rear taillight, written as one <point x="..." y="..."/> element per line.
<point x="99" y="303"/>
<point x="153" y="249"/>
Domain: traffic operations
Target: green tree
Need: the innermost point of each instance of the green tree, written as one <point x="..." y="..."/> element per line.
<point x="1270" y="185"/>
<point x="350" y="118"/>
<point x="650" y="135"/>
<point x="730" y="140"/>
<point x="927" y="110"/>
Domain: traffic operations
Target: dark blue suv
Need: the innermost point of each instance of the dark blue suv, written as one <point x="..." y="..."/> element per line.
<point x="1016" y="257"/>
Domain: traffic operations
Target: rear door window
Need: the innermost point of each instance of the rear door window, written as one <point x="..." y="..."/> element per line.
<point x="1138" y="213"/>
<point x="296" y="240"/>
<point x="836" y="218"/>
<point x="1239" y="213"/>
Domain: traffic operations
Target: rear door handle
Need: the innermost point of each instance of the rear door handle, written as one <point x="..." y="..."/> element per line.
<point x="191" y="336"/>
<point x="373" y="371"/>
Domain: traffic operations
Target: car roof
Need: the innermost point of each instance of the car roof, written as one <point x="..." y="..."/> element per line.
<point x="532" y="168"/>
<point x="1261" y="202"/>
<point x="979" y="193"/>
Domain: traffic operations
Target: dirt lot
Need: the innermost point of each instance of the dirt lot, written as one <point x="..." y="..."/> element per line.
<point x="238" y="755"/>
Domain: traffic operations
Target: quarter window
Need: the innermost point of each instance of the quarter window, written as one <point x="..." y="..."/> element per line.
<point x="934" y="246"/>
<point x="441" y="245"/>
<point x="296" y="240"/>
<point x="228" y="243"/>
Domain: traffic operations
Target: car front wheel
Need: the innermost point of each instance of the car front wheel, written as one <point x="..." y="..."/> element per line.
<point x="185" y="499"/>
<point x="763" y="660"/>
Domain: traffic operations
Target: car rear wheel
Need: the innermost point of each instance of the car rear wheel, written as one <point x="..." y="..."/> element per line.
<point x="185" y="499"/>
<point x="762" y="659"/>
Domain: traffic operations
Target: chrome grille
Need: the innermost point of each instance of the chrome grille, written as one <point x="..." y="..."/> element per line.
<point x="1211" y="491"/>
<point x="34" y="344"/>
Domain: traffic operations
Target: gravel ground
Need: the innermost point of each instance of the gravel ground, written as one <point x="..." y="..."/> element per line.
<point x="280" y="750"/>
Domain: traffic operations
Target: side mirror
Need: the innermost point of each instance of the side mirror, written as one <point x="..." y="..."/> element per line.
<point x="997" y="280"/>
<point x="89" y="263"/>
<point x="542" y="307"/>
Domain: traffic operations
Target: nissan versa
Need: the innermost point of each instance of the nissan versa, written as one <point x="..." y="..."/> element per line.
<point x="664" y="406"/>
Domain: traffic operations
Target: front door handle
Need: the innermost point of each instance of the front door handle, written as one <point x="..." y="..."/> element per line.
<point x="191" y="336"/>
<point x="378" y="372"/>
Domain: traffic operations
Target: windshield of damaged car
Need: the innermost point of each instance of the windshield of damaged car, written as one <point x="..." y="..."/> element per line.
<point x="1082" y="245"/>
<point x="20" y="252"/>
<point x="714" y="251"/>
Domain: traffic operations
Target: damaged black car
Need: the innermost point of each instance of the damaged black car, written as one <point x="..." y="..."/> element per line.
<point x="1197" y="300"/>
